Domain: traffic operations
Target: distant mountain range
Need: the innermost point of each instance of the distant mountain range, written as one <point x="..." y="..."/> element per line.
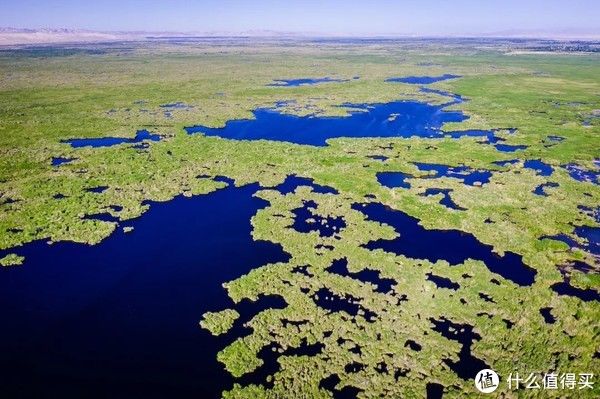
<point x="22" y="36"/>
<point x="14" y="36"/>
<point x="561" y="34"/>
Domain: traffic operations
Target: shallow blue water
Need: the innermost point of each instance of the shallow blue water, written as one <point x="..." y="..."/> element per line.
<point x="584" y="175"/>
<point x="591" y="212"/>
<point x="57" y="161"/>
<point x="547" y="315"/>
<point x="378" y="157"/>
<point x="306" y="220"/>
<point x="97" y="189"/>
<point x="393" y="179"/>
<point x="592" y="235"/>
<point x="446" y="200"/>
<point x="434" y="390"/>
<point x="292" y="182"/>
<point x="121" y="318"/>
<point x="509" y="148"/>
<point x="328" y="300"/>
<point x="451" y="245"/>
<point x="383" y="285"/>
<point x="442" y="282"/>
<point x="456" y="98"/>
<point x="394" y="119"/>
<point x="586" y="295"/>
<point x="506" y="162"/>
<point x="422" y="80"/>
<point x="304" y="81"/>
<point x="541" y="189"/>
<point x="467" y="365"/>
<point x="466" y="174"/>
<point x="141" y="135"/>
<point x="542" y="169"/>
<point x="490" y="136"/>
<point x="134" y="305"/>
<point x="177" y="105"/>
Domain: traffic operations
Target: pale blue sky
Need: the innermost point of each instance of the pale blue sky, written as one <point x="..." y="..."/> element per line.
<point x="418" y="17"/>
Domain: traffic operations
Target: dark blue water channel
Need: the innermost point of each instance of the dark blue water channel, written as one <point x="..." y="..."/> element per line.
<point x="394" y="119"/>
<point x="120" y="319"/>
<point x="446" y="200"/>
<point x="451" y="245"/>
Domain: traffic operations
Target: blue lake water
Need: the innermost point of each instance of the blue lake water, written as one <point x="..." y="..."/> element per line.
<point x="122" y="316"/>
<point x="442" y="282"/>
<point x="304" y="81"/>
<point x="490" y="136"/>
<point x="347" y="392"/>
<point x="381" y="158"/>
<point x="57" y="161"/>
<point x="422" y="80"/>
<point x="383" y="285"/>
<point x="446" y="200"/>
<point x="586" y="295"/>
<point x="394" y="119"/>
<point x="506" y="162"/>
<point x="326" y="299"/>
<point x="306" y="220"/>
<point x="451" y="245"/>
<point x="591" y="212"/>
<point x="542" y="169"/>
<point x="292" y="182"/>
<point x="393" y="179"/>
<point x="467" y="365"/>
<point x="97" y="189"/>
<point x="456" y="98"/>
<point x="434" y="390"/>
<point x="541" y="189"/>
<point x="584" y="175"/>
<point x="120" y="319"/>
<point x="141" y="135"/>
<point x="509" y="147"/>
<point x="270" y="355"/>
<point x="547" y="315"/>
<point x="466" y="174"/>
<point x="592" y="236"/>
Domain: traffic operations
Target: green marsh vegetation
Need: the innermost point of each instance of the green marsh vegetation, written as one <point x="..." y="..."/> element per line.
<point x="50" y="97"/>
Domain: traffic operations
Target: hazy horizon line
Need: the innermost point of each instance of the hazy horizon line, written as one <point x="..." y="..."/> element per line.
<point x="563" y="33"/>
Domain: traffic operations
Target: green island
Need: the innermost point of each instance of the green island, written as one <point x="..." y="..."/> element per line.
<point x="393" y="346"/>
